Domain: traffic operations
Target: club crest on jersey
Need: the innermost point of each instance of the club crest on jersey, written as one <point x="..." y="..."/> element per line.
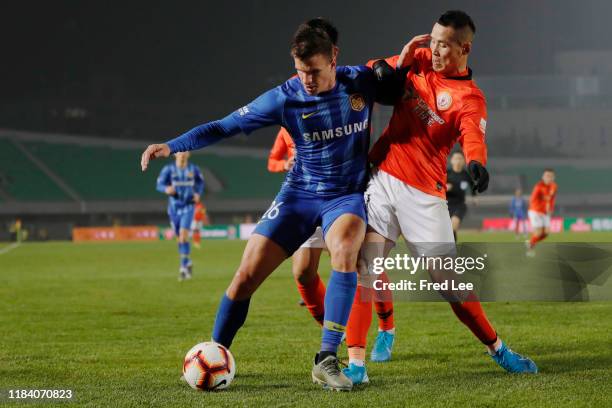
<point x="444" y="100"/>
<point x="190" y="174"/>
<point x="357" y="102"/>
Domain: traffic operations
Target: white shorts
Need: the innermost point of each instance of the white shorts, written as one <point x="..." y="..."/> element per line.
<point x="396" y="208"/>
<point x="539" y="220"/>
<point x="316" y="240"/>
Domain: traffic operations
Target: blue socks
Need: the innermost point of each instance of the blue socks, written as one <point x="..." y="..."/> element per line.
<point x="230" y="317"/>
<point x="184" y="250"/>
<point x="339" y="298"/>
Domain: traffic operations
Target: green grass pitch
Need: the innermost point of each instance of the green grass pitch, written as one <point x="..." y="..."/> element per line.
<point x="111" y="322"/>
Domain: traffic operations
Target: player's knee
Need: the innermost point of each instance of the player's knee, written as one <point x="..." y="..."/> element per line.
<point x="344" y="256"/>
<point x="183" y="235"/>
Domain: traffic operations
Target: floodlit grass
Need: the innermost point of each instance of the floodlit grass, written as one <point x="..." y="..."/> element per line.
<point x="111" y="322"/>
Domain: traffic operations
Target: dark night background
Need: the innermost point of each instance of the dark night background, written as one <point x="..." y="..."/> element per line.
<point x="149" y="70"/>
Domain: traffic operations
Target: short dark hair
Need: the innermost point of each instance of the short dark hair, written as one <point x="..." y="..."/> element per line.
<point x="549" y="169"/>
<point x="457" y="19"/>
<point x="308" y="41"/>
<point x="325" y="25"/>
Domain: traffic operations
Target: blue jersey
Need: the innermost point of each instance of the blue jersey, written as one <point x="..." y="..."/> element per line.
<point x="331" y="130"/>
<point x="186" y="182"/>
<point x="518" y="207"/>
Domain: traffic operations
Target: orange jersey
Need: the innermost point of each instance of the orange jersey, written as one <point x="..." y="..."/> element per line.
<point x="435" y="113"/>
<point x="543" y="197"/>
<point x="282" y="151"/>
<point x="199" y="213"/>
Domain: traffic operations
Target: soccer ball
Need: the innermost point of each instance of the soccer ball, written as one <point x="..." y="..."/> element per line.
<point x="209" y="366"/>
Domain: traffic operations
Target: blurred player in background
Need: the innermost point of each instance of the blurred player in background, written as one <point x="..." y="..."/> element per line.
<point x="183" y="183"/>
<point x="406" y="192"/>
<point x="458" y="182"/>
<point x="541" y="207"/>
<point x="282" y="155"/>
<point x="327" y="111"/>
<point x="518" y="213"/>
<point x="200" y="218"/>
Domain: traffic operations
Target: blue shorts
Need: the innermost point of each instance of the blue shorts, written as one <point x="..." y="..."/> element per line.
<point x="180" y="217"/>
<point x="295" y="214"/>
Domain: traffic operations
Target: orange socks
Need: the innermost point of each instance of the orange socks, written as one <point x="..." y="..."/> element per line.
<point x="196" y="237"/>
<point x="360" y="320"/>
<point x="536" y="238"/>
<point x="383" y="302"/>
<point x="313" y="294"/>
<point x="473" y="316"/>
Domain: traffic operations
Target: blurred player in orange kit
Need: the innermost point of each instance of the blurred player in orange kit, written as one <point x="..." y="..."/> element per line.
<point x="282" y="155"/>
<point x="305" y="261"/>
<point x="541" y="207"/>
<point x="406" y="194"/>
<point x="200" y="218"/>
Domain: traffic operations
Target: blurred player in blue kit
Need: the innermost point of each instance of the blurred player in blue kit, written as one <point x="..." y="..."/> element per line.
<point x="518" y="212"/>
<point x="183" y="183"/>
<point x="326" y="109"/>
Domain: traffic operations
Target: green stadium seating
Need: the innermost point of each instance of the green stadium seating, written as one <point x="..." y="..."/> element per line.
<point x="24" y="181"/>
<point x="102" y="173"/>
<point x="571" y="180"/>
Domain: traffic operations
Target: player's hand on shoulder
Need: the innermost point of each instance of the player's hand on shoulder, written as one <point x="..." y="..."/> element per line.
<point x="196" y="198"/>
<point x="153" y="152"/>
<point x="407" y="55"/>
<point x="479" y="175"/>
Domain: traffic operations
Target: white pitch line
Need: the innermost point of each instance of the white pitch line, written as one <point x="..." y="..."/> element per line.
<point x="9" y="248"/>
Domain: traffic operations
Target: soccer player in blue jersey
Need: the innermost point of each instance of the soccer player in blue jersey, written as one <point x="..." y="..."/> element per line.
<point x="326" y="108"/>
<point x="518" y="212"/>
<point x="183" y="183"/>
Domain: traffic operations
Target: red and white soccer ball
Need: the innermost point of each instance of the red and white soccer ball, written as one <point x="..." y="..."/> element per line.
<point x="209" y="366"/>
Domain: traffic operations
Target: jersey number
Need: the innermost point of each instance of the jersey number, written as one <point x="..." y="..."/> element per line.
<point x="273" y="211"/>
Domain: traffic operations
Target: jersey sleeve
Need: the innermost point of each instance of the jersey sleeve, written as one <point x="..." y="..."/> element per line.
<point x="264" y="111"/>
<point x="198" y="186"/>
<point x="277" y="156"/>
<point x="204" y="135"/>
<point x="164" y="179"/>
<point x="472" y="123"/>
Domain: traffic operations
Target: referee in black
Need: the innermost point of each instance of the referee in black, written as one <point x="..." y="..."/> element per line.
<point x="458" y="183"/>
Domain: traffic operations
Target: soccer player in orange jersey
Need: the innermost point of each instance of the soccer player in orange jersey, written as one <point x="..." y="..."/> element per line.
<point x="406" y="193"/>
<point x="541" y="207"/>
<point x="200" y="218"/>
<point x="282" y="155"/>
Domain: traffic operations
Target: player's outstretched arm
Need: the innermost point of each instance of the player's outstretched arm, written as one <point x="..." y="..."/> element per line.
<point x="264" y="111"/>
